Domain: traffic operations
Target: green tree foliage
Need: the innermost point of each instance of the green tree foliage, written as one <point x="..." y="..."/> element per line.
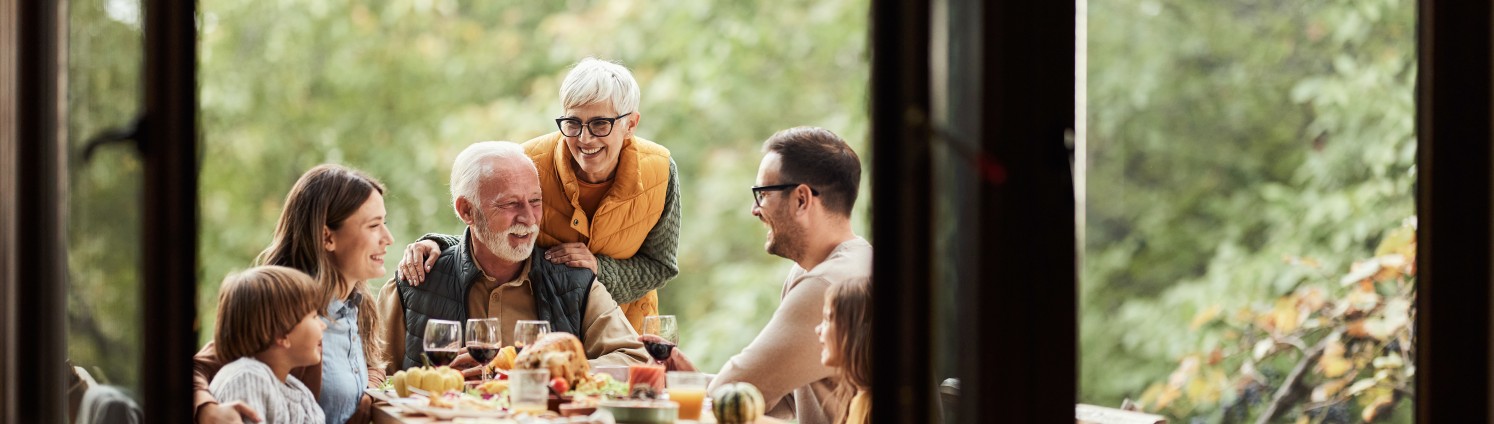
<point x="1225" y="137"/>
<point x="1335" y="348"/>
<point x="397" y="87"/>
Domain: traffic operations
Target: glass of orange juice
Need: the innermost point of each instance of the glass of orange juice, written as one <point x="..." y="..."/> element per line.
<point x="688" y="388"/>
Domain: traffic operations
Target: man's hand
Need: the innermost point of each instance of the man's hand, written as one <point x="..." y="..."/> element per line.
<point x="575" y="255"/>
<point x="676" y="361"/>
<point x="225" y="413"/>
<point x="419" y="257"/>
<point x="471" y="370"/>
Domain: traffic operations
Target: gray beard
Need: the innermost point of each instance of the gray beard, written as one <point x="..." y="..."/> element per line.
<point x="494" y="240"/>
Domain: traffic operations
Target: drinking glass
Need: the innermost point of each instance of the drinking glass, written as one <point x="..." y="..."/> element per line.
<point x="646" y="381"/>
<point x="529" y="391"/>
<point x="688" y="388"/>
<point x="526" y="332"/>
<point x="483" y="341"/>
<point x="660" y="336"/>
<point x="442" y="340"/>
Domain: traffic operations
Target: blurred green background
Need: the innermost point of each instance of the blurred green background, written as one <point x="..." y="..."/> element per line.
<point x="396" y="88"/>
<point x="1226" y="139"/>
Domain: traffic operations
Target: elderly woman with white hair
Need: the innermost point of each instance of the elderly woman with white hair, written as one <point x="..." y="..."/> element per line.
<point x="611" y="198"/>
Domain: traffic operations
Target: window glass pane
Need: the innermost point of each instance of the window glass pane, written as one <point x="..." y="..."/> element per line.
<point x="1249" y="202"/>
<point x="103" y="213"/>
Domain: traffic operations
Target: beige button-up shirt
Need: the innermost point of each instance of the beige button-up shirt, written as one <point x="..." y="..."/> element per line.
<point x="607" y="336"/>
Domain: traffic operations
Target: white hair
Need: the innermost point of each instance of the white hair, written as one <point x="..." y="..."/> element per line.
<point x="472" y="164"/>
<point x="593" y="81"/>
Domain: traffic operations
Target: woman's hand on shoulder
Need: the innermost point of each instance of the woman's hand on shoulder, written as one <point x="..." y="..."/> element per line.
<point x="419" y="257"/>
<point x="574" y="255"/>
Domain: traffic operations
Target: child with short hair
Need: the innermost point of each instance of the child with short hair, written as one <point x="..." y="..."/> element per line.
<point x="845" y="334"/>
<point x="269" y="323"/>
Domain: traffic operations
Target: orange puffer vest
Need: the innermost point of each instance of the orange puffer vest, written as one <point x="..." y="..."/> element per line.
<point x="630" y="209"/>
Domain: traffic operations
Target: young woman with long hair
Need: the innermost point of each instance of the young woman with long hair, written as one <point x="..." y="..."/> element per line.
<point x="332" y="228"/>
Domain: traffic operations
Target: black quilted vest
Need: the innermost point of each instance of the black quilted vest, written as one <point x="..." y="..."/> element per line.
<point x="560" y="295"/>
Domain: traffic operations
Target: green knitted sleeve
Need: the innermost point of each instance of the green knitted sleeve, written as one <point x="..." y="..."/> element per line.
<point x="654" y="264"/>
<point x="443" y="241"/>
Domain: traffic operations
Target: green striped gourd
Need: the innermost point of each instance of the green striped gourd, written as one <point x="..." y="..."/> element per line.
<point x="737" y="403"/>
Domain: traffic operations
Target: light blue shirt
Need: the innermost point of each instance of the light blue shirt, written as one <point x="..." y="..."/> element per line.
<point x="344" y="369"/>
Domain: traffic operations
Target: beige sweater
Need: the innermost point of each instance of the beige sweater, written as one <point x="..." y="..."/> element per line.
<point x="784" y="359"/>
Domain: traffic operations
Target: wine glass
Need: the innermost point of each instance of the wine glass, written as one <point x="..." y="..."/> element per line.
<point x="442" y="340"/>
<point x="483" y="341"/>
<point x="526" y="332"/>
<point x="661" y="334"/>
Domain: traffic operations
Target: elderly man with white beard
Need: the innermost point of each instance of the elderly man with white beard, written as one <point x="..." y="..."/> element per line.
<point x="494" y="271"/>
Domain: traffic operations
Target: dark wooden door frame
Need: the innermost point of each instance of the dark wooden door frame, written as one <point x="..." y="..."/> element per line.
<point x="33" y="176"/>
<point x="35" y="132"/>
<point x="1017" y="339"/>
<point x="1455" y="168"/>
<point x="168" y="147"/>
<point x="900" y="160"/>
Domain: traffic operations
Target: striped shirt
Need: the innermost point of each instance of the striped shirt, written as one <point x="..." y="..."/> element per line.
<point x="251" y="381"/>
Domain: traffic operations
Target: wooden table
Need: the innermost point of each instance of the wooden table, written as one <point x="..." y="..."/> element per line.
<point x="385" y="413"/>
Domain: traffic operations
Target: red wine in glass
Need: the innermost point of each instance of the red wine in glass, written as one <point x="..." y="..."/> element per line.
<point x="442" y="338"/>
<point x="660" y="336"/>
<point x="441" y="357"/>
<point x="658" y="348"/>
<point x="481" y="352"/>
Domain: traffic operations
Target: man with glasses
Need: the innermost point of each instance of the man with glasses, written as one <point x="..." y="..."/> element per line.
<point x="806" y="187"/>
<point x="611" y="197"/>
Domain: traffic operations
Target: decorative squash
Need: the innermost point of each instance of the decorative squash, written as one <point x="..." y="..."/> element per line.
<point x="401" y="386"/>
<point x="414" y="378"/>
<point x="737" y="403"/>
<point x="431" y="380"/>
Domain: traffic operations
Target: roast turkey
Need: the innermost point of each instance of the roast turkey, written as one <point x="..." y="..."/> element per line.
<point x="559" y="352"/>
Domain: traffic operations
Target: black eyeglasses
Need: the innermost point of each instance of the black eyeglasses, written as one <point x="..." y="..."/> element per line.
<point x="758" y="191"/>
<point x="599" y="127"/>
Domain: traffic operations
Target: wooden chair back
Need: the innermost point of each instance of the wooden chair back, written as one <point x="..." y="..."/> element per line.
<point x="949" y="397"/>
<point x="79" y="385"/>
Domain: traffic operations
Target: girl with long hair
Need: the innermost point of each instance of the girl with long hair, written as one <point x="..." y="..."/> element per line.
<point x="845" y="334"/>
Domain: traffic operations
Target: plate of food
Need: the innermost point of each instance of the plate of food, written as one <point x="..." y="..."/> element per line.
<point x="450" y="413"/>
<point x="461" y="405"/>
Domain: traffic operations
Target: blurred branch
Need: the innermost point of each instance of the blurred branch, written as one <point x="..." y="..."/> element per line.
<point x="1290" y="390"/>
<point x="1294" y="341"/>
